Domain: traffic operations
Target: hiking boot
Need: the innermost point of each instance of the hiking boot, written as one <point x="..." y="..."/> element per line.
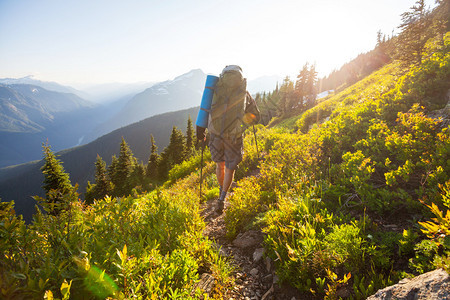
<point x="220" y="205"/>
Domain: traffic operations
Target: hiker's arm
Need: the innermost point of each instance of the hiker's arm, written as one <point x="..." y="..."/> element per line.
<point x="252" y="109"/>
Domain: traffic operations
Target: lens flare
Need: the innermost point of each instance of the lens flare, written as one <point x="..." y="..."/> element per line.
<point x="99" y="283"/>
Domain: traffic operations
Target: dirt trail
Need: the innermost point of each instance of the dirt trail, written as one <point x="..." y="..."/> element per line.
<point x="254" y="274"/>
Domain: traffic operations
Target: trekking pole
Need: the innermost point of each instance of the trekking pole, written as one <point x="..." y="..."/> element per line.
<point x="201" y="170"/>
<point x="256" y="141"/>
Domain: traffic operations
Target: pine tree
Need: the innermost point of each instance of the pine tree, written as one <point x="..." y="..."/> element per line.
<point x="136" y="178"/>
<point x="101" y="179"/>
<point x="173" y="154"/>
<point x="112" y="169"/>
<point x="123" y="170"/>
<point x="271" y="105"/>
<point x="102" y="186"/>
<point x="190" y="138"/>
<point x="311" y="86"/>
<point x="416" y="30"/>
<point x="300" y="87"/>
<point x="153" y="161"/>
<point x="164" y="165"/>
<point x="57" y="185"/>
<point x="177" y="146"/>
<point x="443" y="16"/>
<point x="286" y="95"/>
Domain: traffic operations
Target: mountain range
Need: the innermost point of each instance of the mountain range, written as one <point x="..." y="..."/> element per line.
<point x="183" y="92"/>
<point x="48" y="85"/>
<point x="34" y="114"/>
<point x="31" y="108"/>
<point x="34" y="111"/>
<point x="20" y="182"/>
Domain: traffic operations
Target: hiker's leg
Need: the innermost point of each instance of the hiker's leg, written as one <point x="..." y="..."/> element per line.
<point x="233" y="156"/>
<point x="220" y="173"/>
<point x="228" y="176"/>
<point x="228" y="179"/>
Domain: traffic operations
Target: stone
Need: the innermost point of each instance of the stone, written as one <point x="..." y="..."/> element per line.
<point x="249" y="239"/>
<point x="276" y="279"/>
<point x="267" y="279"/>
<point x="258" y="254"/>
<point x="431" y="285"/>
<point x="268" y="264"/>
<point x="254" y="272"/>
<point x="205" y="284"/>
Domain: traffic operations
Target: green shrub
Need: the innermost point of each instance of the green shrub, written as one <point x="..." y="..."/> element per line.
<point x="188" y="166"/>
<point x="346" y="246"/>
<point x="245" y="204"/>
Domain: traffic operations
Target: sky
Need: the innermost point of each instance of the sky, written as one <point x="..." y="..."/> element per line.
<point x="80" y="42"/>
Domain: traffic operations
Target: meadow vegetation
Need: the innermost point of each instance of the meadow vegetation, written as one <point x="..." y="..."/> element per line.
<point x="351" y="193"/>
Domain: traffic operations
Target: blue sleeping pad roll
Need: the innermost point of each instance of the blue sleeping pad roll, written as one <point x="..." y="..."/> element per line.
<point x="205" y="106"/>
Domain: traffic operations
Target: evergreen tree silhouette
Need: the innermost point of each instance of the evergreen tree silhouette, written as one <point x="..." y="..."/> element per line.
<point x="57" y="186"/>
<point x="173" y="154"/>
<point x="102" y="186"/>
<point x="123" y="170"/>
<point x="416" y="30"/>
<point x="153" y="161"/>
<point x="190" y="138"/>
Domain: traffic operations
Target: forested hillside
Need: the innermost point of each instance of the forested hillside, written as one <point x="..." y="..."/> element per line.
<point x="351" y="194"/>
<point x="20" y="183"/>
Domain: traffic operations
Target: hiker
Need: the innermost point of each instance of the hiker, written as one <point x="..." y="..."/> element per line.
<point x="233" y="109"/>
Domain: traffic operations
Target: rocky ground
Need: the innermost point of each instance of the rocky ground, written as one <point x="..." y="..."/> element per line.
<point x="255" y="278"/>
<point x="254" y="274"/>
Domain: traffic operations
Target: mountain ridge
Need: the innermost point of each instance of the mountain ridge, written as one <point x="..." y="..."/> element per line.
<point x="49" y="85"/>
<point x="20" y="182"/>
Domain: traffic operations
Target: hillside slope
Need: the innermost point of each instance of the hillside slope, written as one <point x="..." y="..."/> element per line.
<point x="172" y="95"/>
<point x="30" y="114"/>
<point x="354" y="198"/>
<point x="19" y="183"/>
<point x="30" y="108"/>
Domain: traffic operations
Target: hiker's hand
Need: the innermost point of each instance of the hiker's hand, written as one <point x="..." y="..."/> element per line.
<point x="201" y="136"/>
<point x="250" y="119"/>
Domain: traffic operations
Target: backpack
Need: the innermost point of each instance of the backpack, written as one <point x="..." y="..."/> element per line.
<point x="228" y="104"/>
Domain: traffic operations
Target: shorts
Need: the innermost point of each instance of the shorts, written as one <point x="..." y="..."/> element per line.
<point x="223" y="149"/>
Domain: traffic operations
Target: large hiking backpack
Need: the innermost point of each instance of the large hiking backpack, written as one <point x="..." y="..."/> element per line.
<point x="228" y="104"/>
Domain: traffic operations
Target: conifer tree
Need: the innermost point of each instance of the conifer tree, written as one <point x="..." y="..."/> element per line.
<point x="443" y="16"/>
<point x="300" y="87"/>
<point x="173" y="154"/>
<point x="153" y="161"/>
<point x="262" y="105"/>
<point x="416" y="30"/>
<point x="177" y="146"/>
<point x="311" y="90"/>
<point x="164" y="165"/>
<point x="286" y="95"/>
<point x="112" y="168"/>
<point x="136" y="178"/>
<point x="57" y="185"/>
<point x="102" y="186"/>
<point x="270" y="105"/>
<point x="123" y="170"/>
<point x="190" y="138"/>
